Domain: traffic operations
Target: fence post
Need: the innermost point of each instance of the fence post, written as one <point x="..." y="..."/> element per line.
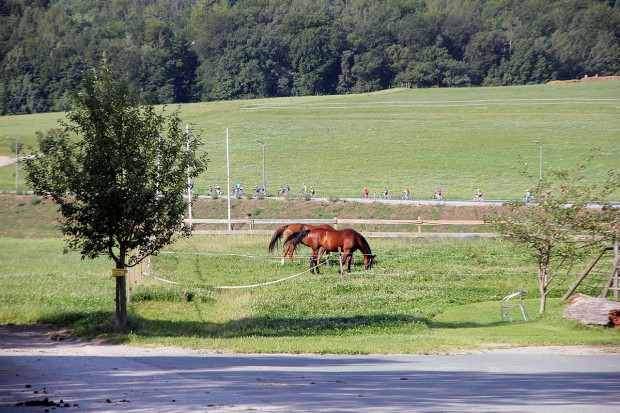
<point x="419" y="227"/>
<point x="340" y="262"/>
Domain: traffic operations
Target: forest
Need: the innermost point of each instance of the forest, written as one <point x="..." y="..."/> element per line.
<point x="179" y="51"/>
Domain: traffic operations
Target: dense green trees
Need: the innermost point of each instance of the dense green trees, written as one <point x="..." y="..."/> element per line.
<point x="194" y="50"/>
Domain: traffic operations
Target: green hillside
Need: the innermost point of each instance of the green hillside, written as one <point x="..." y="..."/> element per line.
<point x="459" y="138"/>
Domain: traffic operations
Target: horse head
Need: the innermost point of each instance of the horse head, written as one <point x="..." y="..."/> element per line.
<point x="369" y="261"/>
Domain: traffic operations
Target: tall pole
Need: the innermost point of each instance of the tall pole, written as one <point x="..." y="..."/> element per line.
<point x="228" y="179"/>
<point x="16" y="163"/>
<point x="540" y="161"/>
<point x="189" y="179"/>
<point x="264" y="182"/>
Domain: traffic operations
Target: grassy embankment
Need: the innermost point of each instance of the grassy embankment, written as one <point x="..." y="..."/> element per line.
<point x="460" y="139"/>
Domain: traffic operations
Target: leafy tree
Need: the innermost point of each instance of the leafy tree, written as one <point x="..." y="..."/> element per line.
<point x="564" y="226"/>
<point x="528" y="64"/>
<point x="314" y="54"/>
<point x="120" y="186"/>
<point x="182" y="50"/>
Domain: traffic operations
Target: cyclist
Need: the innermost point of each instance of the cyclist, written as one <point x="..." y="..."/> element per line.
<point x="384" y="193"/>
<point x="478" y="195"/>
<point x="438" y="194"/>
<point x="406" y="194"/>
<point x="365" y="192"/>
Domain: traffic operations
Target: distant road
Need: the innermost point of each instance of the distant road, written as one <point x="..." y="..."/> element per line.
<point x="392" y="201"/>
<point x="403" y="202"/>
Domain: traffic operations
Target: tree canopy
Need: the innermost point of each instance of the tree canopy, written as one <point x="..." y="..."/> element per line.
<point x="178" y="51"/>
<point x="571" y="218"/>
<point x="120" y="186"/>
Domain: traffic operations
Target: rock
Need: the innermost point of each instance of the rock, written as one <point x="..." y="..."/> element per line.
<point x="591" y="310"/>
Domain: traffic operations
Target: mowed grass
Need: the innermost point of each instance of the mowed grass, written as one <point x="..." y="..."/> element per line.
<point x="423" y="296"/>
<point x="459" y="139"/>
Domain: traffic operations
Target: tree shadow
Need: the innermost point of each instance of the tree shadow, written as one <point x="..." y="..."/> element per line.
<point x="99" y="323"/>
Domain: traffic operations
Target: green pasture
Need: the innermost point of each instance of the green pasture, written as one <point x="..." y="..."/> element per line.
<point x="459" y="139"/>
<point x="423" y="296"/>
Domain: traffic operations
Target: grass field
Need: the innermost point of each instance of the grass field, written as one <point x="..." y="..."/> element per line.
<point x="423" y="297"/>
<point x="459" y="139"/>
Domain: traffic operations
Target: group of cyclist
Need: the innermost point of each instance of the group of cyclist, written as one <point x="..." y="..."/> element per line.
<point x="529" y="197"/>
<point x="406" y="194"/>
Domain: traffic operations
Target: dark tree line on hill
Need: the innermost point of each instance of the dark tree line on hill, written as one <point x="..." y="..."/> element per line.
<point x="178" y="51"/>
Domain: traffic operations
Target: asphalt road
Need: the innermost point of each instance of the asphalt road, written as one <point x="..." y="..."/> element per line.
<point x="103" y="378"/>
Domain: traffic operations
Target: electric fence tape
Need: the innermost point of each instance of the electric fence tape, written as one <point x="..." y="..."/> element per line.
<point x="230" y="287"/>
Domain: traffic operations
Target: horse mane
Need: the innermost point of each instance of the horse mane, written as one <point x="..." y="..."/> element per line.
<point x="296" y="237"/>
<point x="276" y="237"/>
<point x="364" y="243"/>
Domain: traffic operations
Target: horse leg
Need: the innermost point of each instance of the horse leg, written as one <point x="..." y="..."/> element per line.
<point x="291" y="250"/>
<point x="321" y="252"/>
<point x="315" y="258"/>
<point x="284" y="252"/>
<point x="348" y="258"/>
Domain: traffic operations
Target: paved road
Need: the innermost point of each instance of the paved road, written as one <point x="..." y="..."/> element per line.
<point x="455" y="202"/>
<point x="102" y="378"/>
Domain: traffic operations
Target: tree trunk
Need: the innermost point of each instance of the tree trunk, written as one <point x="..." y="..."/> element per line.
<point x="542" y="287"/>
<point x="121" y="301"/>
<point x="121" y="291"/>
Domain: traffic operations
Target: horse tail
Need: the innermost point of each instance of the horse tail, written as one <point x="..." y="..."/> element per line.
<point x="296" y="237"/>
<point x="276" y="237"/>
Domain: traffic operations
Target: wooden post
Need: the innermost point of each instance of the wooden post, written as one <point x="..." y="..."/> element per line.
<point x="419" y="227"/>
<point x="617" y="271"/>
<point x="336" y="223"/>
<point x="584" y="274"/>
<point x="341" y="270"/>
<point x="613" y="278"/>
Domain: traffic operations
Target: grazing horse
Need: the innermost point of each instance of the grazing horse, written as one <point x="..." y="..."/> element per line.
<point x="347" y="240"/>
<point x="285" y="231"/>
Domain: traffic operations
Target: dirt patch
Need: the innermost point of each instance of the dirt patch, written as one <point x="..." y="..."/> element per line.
<point x="585" y="79"/>
<point x="14" y="338"/>
<point x="26" y="216"/>
<point x="285" y="209"/>
<point x="28" y="335"/>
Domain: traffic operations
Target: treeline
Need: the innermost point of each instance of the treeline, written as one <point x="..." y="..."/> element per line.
<point x="198" y="50"/>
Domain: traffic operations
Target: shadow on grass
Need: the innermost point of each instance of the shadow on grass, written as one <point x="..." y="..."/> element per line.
<point x="94" y="324"/>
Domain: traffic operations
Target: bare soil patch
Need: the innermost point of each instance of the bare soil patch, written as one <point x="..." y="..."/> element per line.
<point x="585" y="79"/>
<point x="14" y="338"/>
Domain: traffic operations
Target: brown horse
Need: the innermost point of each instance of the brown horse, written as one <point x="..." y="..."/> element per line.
<point x="285" y="231"/>
<point x="347" y="240"/>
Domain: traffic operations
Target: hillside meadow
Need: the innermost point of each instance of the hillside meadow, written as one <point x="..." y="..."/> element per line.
<point x="423" y="296"/>
<point x="459" y="139"/>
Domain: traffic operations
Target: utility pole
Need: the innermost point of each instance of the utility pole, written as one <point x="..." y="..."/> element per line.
<point x="16" y="163"/>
